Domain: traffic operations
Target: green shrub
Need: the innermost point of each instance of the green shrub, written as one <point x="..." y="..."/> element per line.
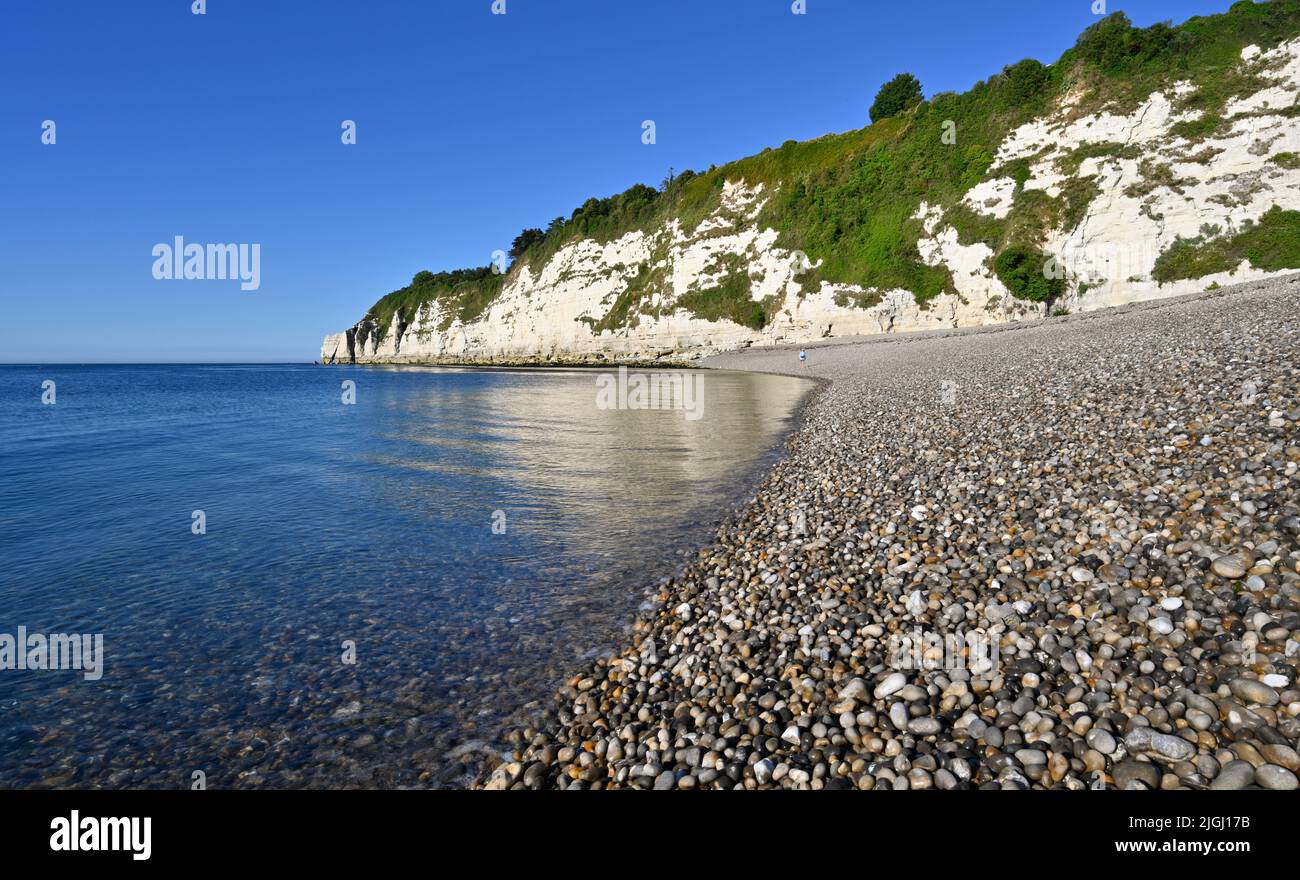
<point x="975" y="165"/>
<point x="1024" y="271"/>
<point x="901" y="93"/>
<point x="524" y="241"/>
<point x="1025" y="81"/>
<point x="1071" y="163"/>
<point x="1018" y="170"/>
<point x="729" y="300"/>
<point x="973" y="227"/>
<point x="1114" y="46"/>
<point x="1077" y="194"/>
<point x="1196" y="129"/>
<point x="1272" y="244"/>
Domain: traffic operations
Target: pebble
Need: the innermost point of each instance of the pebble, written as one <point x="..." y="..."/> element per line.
<point x="1231" y="567"/>
<point x="892" y="684"/>
<point x="1162" y="625"/>
<point x="1276" y="778"/>
<point x="1102" y="741"/>
<point x="1129" y="774"/>
<point x="1144" y="589"/>
<point x="1253" y="691"/>
<point x="1283" y="755"/>
<point x="1234" y="775"/>
<point x="1162" y="745"/>
<point x="924" y="726"/>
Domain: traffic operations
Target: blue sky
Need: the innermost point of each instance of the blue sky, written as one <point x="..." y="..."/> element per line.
<point x="225" y="127"/>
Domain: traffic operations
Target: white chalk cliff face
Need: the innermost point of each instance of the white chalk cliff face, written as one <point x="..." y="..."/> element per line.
<point x="1222" y="181"/>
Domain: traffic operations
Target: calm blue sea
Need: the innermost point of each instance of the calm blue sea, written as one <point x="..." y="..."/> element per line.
<point x="350" y="617"/>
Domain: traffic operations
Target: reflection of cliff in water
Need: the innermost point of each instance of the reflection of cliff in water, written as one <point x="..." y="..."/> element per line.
<point x="599" y="468"/>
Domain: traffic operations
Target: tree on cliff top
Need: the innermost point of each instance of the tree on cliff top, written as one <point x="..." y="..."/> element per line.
<point x="903" y="92"/>
<point x="524" y="240"/>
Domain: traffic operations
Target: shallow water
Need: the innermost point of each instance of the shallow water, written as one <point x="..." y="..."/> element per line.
<point x="334" y="529"/>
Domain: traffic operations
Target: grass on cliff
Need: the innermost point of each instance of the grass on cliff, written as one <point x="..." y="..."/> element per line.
<point x="650" y="277"/>
<point x="1272" y="244"/>
<point x="463" y="293"/>
<point x="730" y="298"/>
<point x="847" y="200"/>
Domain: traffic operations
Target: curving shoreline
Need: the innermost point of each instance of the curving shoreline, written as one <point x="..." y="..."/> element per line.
<point x="1110" y="501"/>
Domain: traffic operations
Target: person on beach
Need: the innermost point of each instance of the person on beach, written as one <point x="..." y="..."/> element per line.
<point x="803" y="358"/>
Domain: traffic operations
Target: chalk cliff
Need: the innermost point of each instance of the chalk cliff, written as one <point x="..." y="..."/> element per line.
<point x="1143" y="179"/>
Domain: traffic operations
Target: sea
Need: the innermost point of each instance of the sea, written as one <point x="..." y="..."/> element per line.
<point x="298" y="576"/>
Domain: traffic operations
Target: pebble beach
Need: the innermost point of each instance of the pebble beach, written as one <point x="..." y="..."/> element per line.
<point x="1101" y="512"/>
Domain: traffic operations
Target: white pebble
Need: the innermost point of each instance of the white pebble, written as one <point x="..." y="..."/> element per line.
<point x="891" y="685"/>
<point x="1162" y="625"/>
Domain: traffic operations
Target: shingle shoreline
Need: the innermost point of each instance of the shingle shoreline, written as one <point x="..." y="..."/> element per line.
<point x="1060" y="554"/>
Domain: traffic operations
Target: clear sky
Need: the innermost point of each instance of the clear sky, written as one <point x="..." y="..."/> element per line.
<point x="225" y="127"/>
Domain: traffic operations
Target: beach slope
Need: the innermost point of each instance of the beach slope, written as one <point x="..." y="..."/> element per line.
<point x="1062" y="554"/>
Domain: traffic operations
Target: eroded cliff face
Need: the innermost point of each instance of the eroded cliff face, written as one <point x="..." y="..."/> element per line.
<point x="1153" y="188"/>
